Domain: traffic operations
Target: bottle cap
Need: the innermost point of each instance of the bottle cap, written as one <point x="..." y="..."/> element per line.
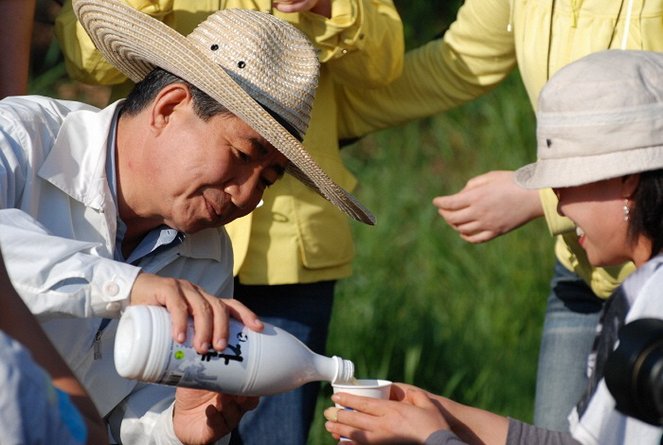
<point x="345" y="370"/>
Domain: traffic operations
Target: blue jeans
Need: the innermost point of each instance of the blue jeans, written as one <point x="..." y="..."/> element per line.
<point x="303" y="310"/>
<point x="569" y="329"/>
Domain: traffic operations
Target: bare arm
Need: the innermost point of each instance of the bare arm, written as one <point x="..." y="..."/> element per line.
<point x="411" y="416"/>
<point x="16" y="22"/>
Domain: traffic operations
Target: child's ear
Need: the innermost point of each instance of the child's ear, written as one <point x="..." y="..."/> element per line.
<point x="630" y="184"/>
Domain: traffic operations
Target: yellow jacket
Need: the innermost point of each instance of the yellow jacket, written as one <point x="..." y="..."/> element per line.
<point x="486" y="42"/>
<point x="296" y="236"/>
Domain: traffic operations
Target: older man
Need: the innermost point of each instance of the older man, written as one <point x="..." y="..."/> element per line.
<point x="106" y="208"/>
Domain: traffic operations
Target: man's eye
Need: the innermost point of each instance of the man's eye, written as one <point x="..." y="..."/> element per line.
<point x="244" y="157"/>
<point x="269" y="177"/>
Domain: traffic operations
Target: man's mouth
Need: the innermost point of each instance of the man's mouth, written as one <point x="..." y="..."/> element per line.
<point x="213" y="210"/>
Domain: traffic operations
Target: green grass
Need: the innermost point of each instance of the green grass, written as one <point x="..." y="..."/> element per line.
<point x="423" y="306"/>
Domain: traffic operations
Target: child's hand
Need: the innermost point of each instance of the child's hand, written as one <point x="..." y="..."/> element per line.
<point x="410" y="417"/>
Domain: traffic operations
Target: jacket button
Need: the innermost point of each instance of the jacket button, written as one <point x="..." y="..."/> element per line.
<point x="111" y="288"/>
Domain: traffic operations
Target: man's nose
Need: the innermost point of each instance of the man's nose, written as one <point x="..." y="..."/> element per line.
<point x="246" y="195"/>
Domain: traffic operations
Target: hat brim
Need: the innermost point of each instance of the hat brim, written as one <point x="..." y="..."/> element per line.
<point x="136" y="43"/>
<point x="579" y="170"/>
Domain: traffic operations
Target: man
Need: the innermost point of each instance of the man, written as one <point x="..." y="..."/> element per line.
<point x="290" y="252"/>
<point x="127" y="202"/>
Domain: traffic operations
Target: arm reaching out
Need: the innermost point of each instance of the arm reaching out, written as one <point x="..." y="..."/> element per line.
<point x="488" y="206"/>
<point x="411" y="416"/>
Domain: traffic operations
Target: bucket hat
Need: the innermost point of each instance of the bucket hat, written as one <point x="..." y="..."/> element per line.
<point x="599" y="117"/>
<point x="262" y="69"/>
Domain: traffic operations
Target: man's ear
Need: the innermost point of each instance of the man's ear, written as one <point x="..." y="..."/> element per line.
<point x="630" y="185"/>
<point x="170" y="99"/>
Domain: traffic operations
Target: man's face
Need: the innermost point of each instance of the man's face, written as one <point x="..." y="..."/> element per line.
<point x="211" y="172"/>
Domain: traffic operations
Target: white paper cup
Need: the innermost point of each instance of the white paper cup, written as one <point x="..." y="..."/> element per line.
<point x="376" y="388"/>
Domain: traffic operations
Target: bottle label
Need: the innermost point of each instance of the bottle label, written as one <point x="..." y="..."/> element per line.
<point x="224" y="371"/>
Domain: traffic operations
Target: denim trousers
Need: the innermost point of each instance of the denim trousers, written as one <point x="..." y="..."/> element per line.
<point x="569" y="329"/>
<point x="303" y="310"/>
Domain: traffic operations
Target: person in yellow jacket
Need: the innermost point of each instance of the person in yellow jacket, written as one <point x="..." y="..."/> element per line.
<point x="288" y="253"/>
<point x="487" y="41"/>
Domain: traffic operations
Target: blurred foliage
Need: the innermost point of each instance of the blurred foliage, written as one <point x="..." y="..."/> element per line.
<point x="423" y="306"/>
<point x="425" y="20"/>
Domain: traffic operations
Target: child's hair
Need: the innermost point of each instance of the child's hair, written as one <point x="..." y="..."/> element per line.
<point x="646" y="216"/>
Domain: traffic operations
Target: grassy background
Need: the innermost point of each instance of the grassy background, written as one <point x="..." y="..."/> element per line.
<point x="423" y="306"/>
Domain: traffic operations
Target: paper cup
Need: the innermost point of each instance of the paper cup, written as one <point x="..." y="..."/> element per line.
<point x="376" y="388"/>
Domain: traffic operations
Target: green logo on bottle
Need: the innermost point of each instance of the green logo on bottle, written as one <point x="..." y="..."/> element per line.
<point x="179" y="355"/>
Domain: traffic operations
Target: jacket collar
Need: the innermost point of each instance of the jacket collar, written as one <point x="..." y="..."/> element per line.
<point x="83" y="138"/>
<point x="77" y="162"/>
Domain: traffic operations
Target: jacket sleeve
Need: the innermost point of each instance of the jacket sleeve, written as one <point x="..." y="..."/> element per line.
<point x="55" y="276"/>
<point x="522" y="434"/>
<point x="444" y="437"/>
<point x="362" y="42"/>
<point x="82" y="60"/>
<point x="475" y="54"/>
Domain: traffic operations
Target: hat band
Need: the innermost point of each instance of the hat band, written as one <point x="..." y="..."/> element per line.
<point x="284" y="123"/>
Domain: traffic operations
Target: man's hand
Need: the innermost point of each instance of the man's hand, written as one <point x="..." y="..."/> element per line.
<point x="201" y="417"/>
<point x="488" y="206"/>
<point x="184" y="299"/>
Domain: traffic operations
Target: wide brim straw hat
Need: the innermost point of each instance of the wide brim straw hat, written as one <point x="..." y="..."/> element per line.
<point x="262" y="69"/>
<point x="599" y="117"/>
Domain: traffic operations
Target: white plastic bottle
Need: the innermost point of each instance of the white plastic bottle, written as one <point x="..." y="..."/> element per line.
<point x="253" y="364"/>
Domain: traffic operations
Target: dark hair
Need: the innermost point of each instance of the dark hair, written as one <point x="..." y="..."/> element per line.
<point x="204" y="106"/>
<point x="147" y="89"/>
<point x="646" y="215"/>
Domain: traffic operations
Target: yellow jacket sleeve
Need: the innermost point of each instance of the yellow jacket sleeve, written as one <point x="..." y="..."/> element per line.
<point x="82" y="60"/>
<point x="341" y="39"/>
<point x="362" y="42"/>
<point x="475" y="54"/>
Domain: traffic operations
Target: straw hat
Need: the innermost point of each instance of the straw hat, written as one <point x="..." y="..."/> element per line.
<point x="251" y="62"/>
<point x="598" y="118"/>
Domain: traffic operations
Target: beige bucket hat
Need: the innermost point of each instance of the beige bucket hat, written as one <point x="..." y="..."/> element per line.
<point x="599" y="117"/>
<point x="260" y="68"/>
